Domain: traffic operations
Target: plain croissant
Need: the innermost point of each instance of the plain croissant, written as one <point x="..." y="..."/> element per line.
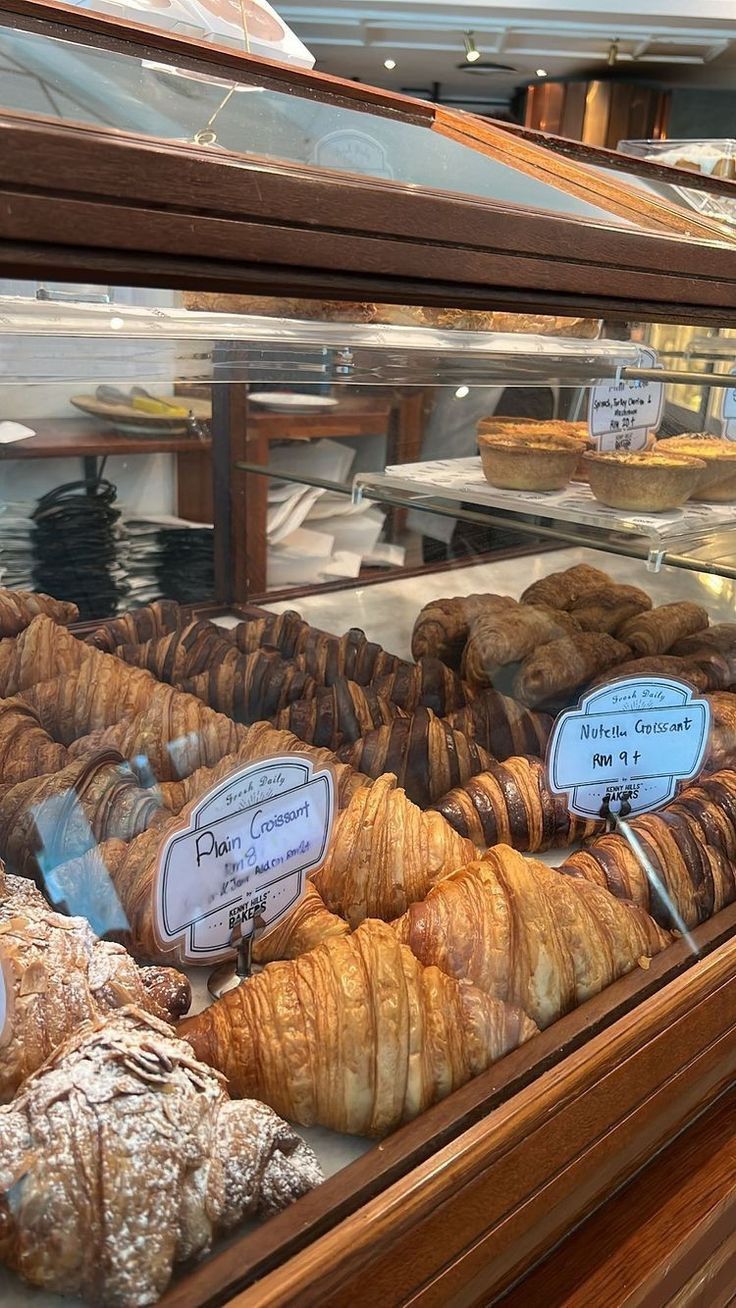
<point x="425" y="754"/>
<point x="173" y="737"/>
<point x="385" y="853"/>
<point x="18" y="608"/>
<point x="511" y="804"/>
<point x="56" y="974"/>
<point x="123" y="1155"/>
<point x="100" y="692"/>
<point x="26" y="749"/>
<point x="523" y="933"/>
<point x="355" y="1035"/>
<point x="261" y="740"/>
<point x="42" y="651"/>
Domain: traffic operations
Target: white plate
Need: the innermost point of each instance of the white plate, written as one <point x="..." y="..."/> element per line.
<point x="283" y="402"/>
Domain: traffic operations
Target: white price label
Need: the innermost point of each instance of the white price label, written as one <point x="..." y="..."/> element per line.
<point x="622" y="413"/>
<point x="242" y="854"/>
<point x="626" y="746"/>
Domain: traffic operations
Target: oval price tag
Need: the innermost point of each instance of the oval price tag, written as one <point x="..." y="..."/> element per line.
<point x="242" y="852"/>
<point x="626" y="746"/>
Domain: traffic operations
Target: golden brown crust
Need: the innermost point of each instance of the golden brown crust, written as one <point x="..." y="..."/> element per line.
<point x="367" y="1037"/>
<point x="554" y="672"/>
<point x="385" y="853"/>
<point x="561" y="590"/>
<point x="442" y="627"/>
<point x="42" y="650"/>
<point x="26" y="749"/>
<point x="306" y="927"/>
<point x="426" y="755"/>
<point x="18" y="608"/>
<point x="100" y="692"/>
<point x="656" y="632"/>
<point x="524" y="934"/>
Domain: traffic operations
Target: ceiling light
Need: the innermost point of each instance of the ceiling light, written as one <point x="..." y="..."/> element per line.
<point x="541" y="72"/>
<point x="461" y="392"/>
<point x="390" y="64"/>
<point x="472" y="53"/>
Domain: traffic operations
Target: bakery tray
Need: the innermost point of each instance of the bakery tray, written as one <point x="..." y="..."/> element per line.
<point x="708" y="530"/>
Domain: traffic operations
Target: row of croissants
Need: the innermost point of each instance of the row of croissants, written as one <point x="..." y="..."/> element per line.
<point x="429" y="944"/>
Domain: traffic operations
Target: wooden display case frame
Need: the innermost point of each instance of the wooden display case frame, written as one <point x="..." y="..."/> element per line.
<point x="455" y="1207"/>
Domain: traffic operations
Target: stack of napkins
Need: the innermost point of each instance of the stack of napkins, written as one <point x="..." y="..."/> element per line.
<point x="16" y="544"/>
<point x="314" y="534"/>
<point x="169" y="556"/>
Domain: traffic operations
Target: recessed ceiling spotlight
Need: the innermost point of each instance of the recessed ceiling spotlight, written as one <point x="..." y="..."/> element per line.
<point x="541" y="72"/>
<point x="390" y="64"/>
<point x="462" y="392"/>
<point x="472" y="53"/>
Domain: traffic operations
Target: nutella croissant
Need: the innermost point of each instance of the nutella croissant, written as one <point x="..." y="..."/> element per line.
<point x="137" y="625"/>
<point x="502" y="726"/>
<point x="662" y="665"/>
<point x="657" y="631"/>
<point x="183" y="653"/>
<point x="442" y="628"/>
<point x="426" y="684"/>
<point x="713" y="651"/>
<point x="42" y="651"/>
<point x="555" y="672"/>
<point x="337" y="714"/>
<point x="18" y="608"/>
<point x="326" y="657"/>
<point x="171" y="739"/>
<point x="561" y="590"/>
<point x="496" y="639"/>
<point x="261" y="740"/>
<point x="26" y="750"/>
<point x="425" y="754"/>
<point x="101" y="691"/>
<point x="680" y="864"/>
<point x="56" y="974"/>
<point x="251" y="686"/>
<point x="385" y="853"/>
<point x="123" y="1155"/>
<point x="367" y="1037"/>
<point x="47" y="820"/>
<point x="511" y="804"/>
<point x="722" y="740"/>
<point x="523" y="933"/>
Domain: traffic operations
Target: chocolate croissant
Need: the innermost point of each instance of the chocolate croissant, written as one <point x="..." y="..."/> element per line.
<point x="507" y="636"/>
<point x="56" y="974"/>
<point x="123" y="1155"/>
<point x="556" y="671"/>
<point x="279" y="631"/>
<point x="137" y="625"/>
<point x="42" y="650"/>
<point x="511" y="804"/>
<point x="524" y="934"/>
<point x="183" y="653"/>
<point x="657" y="631"/>
<point x="426" y="755"/>
<point x="47" y="820"/>
<point x="385" y="853"/>
<point x="426" y="684"/>
<point x="609" y="607"/>
<point x="337" y="714"/>
<point x="18" y="608"/>
<point x="261" y="740"/>
<point x="502" y="726"/>
<point x="327" y="657"/>
<point x="251" y="686"/>
<point x="661" y="665"/>
<point x="368" y="1038"/>
<point x="442" y="627"/>
<point x="26" y="749"/>
<point x="562" y="590"/>
<point x="722" y="740"/>
<point x="680" y="864"/>
<point x="169" y="740"/>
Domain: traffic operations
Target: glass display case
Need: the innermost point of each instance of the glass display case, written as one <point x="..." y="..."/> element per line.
<point x="367" y="683"/>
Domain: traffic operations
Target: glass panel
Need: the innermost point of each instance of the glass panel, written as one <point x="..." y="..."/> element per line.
<point x="68" y="80"/>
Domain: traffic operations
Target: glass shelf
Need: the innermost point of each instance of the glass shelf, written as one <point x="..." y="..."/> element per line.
<point x="222" y="347"/>
<point x="707" y="531"/>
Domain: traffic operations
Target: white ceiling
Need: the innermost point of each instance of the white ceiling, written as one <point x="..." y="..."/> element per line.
<point x="674" y="41"/>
